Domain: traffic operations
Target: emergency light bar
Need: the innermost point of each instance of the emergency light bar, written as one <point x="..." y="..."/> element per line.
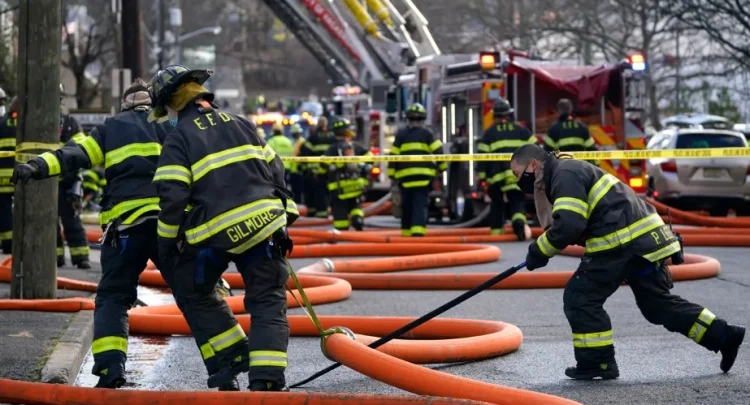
<point x="637" y="62"/>
<point x="487" y="62"/>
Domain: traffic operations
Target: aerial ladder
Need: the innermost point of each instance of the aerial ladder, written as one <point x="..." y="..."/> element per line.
<point x="355" y="48"/>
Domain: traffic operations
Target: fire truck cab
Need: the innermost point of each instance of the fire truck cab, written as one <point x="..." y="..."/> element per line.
<point x="459" y="91"/>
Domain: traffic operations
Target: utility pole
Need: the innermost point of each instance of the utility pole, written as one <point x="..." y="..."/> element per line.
<point x="34" y="273"/>
<point x="677" y="78"/>
<point x="162" y="31"/>
<point x="132" y="46"/>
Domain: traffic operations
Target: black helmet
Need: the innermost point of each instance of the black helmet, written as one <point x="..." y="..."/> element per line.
<point x="416" y="112"/>
<point x="501" y="108"/>
<point x="168" y="80"/>
<point x="341" y="127"/>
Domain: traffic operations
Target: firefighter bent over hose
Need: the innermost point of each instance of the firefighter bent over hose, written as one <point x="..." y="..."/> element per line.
<point x="69" y="201"/>
<point x="94" y="182"/>
<point x="128" y="146"/>
<point x="8" y="128"/>
<point x="505" y="136"/>
<point x="317" y="144"/>
<point x="625" y="239"/>
<point x="414" y="178"/>
<point x="206" y="155"/>
<point x="346" y="181"/>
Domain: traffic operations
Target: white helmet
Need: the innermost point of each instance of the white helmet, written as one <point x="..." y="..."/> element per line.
<point x="3" y="96"/>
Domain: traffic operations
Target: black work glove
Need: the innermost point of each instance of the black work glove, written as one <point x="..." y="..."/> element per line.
<point x="535" y="259"/>
<point x="25" y="171"/>
<point x="283" y="242"/>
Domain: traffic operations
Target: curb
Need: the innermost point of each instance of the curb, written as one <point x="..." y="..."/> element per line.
<point x="67" y="357"/>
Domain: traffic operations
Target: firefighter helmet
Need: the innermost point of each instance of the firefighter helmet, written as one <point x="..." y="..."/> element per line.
<point x="341" y="127"/>
<point x="501" y="108"/>
<point x="168" y="80"/>
<point x="277" y="127"/>
<point x="416" y="112"/>
<point x="3" y="95"/>
<point x="296" y="129"/>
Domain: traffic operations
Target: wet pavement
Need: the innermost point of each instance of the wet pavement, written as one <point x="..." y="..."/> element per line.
<point x="656" y="366"/>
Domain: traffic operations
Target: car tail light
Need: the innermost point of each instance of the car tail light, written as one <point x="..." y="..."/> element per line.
<point x="375" y="170"/>
<point x="669" y="167"/>
<point x="636" y="182"/>
<point x="474" y="195"/>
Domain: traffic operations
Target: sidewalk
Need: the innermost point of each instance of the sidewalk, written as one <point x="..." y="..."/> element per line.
<point x="47" y="346"/>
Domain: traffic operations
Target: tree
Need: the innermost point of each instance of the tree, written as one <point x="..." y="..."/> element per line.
<point x="8" y="50"/>
<point x="722" y="105"/>
<point x="727" y="22"/>
<point x="90" y="41"/>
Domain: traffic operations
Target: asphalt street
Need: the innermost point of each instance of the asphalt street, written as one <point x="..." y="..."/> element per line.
<point x="656" y="366"/>
<point x="26" y="341"/>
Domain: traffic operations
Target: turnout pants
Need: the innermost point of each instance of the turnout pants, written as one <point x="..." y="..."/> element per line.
<point x="599" y="277"/>
<point x="265" y="273"/>
<point x="319" y="195"/>
<point x="498" y="208"/>
<point x="345" y="211"/>
<point x="297" y="185"/>
<point x="75" y="234"/>
<point x="414" y="210"/>
<point x="6" y="222"/>
<point x="124" y="256"/>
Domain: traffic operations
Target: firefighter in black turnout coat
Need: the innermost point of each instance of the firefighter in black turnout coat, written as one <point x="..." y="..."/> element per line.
<point x="223" y="199"/>
<point x="505" y="136"/>
<point x="414" y="178"/>
<point x="625" y="239"/>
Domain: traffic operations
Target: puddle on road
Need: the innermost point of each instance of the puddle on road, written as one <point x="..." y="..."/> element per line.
<point x="143" y="351"/>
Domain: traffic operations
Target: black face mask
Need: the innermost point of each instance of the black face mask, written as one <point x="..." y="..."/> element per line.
<point x="527" y="180"/>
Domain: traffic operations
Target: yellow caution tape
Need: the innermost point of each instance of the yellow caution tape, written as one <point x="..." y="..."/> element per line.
<point x="36" y="146"/>
<point x="712" y="153"/>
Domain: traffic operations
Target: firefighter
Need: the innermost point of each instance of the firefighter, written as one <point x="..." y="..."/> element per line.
<point x="205" y="156"/>
<point x="414" y="178"/>
<point x="317" y="144"/>
<point x="346" y="181"/>
<point x="296" y="180"/>
<point x="282" y="146"/>
<point x="69" y="201"/>
<point x="91" y="188"/>
<point x="625" y="240"/>
<point x="8" y="128"/>
<point x="129" y="217"/>
<point x="568" y="134"/>
<point x="504" y="136"/>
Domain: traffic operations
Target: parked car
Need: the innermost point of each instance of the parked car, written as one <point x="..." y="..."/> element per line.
<point x="697" y="121"/>
<point x="713" y="185"/>
<point x="745" y="129"/>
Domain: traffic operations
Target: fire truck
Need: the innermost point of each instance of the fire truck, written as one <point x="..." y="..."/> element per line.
<point x="460" y="90"/>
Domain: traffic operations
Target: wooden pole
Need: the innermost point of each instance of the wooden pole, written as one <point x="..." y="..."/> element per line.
<point x="132" y="53"/>
<point x="35" y="207"/>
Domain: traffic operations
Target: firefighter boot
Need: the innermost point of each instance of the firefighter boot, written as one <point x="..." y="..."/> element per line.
<point x="605" y="371"/>
<point x="358" y="223"/>
<point x="227" y="374"/>
<point x="82" y="264"/>
<point x="112" y="377"/>
<point x="519" y="230"/>
<point x="262" y="385"/>
<point x="233" y="385"/>
<point x="735" y="336"/>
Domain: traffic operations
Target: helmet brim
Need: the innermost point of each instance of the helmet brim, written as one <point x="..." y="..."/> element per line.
<point x="160" y="100"/>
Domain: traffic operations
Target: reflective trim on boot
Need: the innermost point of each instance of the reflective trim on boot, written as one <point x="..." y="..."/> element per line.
<point x="262" y="385"/>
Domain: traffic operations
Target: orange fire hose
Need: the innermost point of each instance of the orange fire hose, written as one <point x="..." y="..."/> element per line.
<point x="437" y="341"/>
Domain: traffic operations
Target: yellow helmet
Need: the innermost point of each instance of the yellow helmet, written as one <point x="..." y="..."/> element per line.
<point x="277" y="127"/>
